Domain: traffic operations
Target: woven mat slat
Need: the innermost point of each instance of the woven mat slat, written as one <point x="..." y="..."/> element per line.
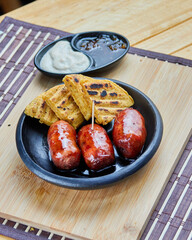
<point x="174" y="217"/>
<point x="19" y="42"/>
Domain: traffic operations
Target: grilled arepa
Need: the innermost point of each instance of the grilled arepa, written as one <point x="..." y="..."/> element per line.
<point x="109" y="98"/>
<point x="73" y="83"/>
<point x="62" y="103"/>
<point x="40" y="110"/>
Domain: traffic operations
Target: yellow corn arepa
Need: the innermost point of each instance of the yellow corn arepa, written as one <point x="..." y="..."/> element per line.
<point x="73" y="83"/>
<point x="40" y="110"/>
<point x="72" y="102"/>
<point x="109" y="98"/>
<point x="62" y="103"/>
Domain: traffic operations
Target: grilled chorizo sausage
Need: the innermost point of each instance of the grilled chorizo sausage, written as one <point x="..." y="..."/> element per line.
<point x="129" y="133"/>
<point x="64" y="151"/>
<point x="96" y="147"/>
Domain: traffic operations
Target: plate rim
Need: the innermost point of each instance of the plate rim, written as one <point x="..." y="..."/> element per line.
<point x="93" y="182"/>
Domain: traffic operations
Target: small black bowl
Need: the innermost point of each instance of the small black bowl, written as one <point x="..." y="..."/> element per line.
<point x="100" y="57"/>
<point x="31" y="140"/>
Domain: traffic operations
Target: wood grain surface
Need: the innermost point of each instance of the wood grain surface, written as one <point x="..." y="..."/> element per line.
<point x="120" y="211"/>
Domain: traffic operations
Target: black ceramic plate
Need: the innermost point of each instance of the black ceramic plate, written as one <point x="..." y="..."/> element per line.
<point x="102" y="48"/>
<point x="31" y="139"/>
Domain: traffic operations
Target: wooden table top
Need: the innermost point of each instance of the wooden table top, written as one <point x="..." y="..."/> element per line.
<point x="161" y="26"/>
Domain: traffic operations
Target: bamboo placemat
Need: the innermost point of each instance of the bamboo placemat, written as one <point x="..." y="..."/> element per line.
<point x="19" y="42"/>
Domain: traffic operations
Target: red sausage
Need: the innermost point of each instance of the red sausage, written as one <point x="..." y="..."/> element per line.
<point x="64" y="151"/>
<point x="129" y="133"/>
<point x="96" y="147"/>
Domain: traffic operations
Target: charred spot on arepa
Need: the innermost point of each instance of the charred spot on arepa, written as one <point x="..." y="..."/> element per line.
<point x="103" y="93"/>
<point x="114" y="102"/>
<point x="70" y="98"/>
<point x="103" y="109"/>
<point x="92" y="92"/>
<point x="97" y="102"/>
<point x="43" y="104"/>
<point x="113" y="94"/>
<point x="76" y="80"/>
<point x="96" y="86"/>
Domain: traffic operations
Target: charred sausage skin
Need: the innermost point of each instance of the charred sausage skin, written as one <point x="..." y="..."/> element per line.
<point x="129" y="133"/>
<point x="96" y="147"/>
<point x="64" y="151"/>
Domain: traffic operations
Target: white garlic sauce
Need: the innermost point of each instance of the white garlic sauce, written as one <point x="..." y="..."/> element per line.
<point x="62" y="59"/>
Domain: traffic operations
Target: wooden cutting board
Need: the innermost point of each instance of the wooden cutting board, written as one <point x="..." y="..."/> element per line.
<point x="117" y="212"/>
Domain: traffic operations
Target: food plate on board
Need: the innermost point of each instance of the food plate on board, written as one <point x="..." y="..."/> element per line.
<point x="101" y="48"/>
<point x="31" y="140"/>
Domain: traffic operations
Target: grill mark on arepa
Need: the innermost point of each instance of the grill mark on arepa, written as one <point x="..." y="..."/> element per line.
<point x="43" y="104"/>
<point x="113" y="94"/>
<point x="96" y="86"/>
<point x="103" y="109"/>
<point x="114" y="102"/>
<point x="97" y="102"/>
<point x="92" y="92"/>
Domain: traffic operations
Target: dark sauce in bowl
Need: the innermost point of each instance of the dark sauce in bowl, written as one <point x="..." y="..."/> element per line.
<point x="102" y="47"/>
